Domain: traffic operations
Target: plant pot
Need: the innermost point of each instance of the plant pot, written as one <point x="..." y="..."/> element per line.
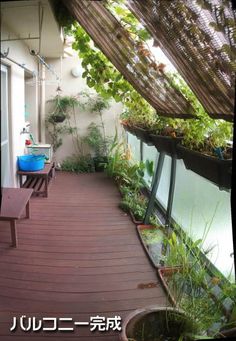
<point x="135" y="221"/>
<point x="143" y="135"/>
<point x="212" y="168"/>
<point x="165" y="273"/>
<point x="129" y="128"/>
<point x="155" y="322"/>
<point x="153" y="249"/>
<point x="99" y="163"/>
<point x="166" y="144"/>
<point x="58" y="118"/>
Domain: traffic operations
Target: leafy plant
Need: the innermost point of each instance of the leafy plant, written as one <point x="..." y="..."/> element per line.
<point x="134" y="202"/>
<point x="189" y="285"/>
<point x="78" y="164"/>
<point x="58" y="120"/>
<point x="96" y="141"/>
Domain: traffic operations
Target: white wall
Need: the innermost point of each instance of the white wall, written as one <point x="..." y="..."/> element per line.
<point x="18" y="51"/>
<point x="72" y="86"/>
<point x="31" y="103"/>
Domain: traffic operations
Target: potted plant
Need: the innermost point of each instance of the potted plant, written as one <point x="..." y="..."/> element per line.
<point x="61" y="107"/>
<point x="185" y="278"/>
<point x="57" y="121"/>
<point x="152" y="238"/>
<point x="157" y="323"/>
<point x="207" y="153"/>
<point x="139" y="123"/>
<point x="99" y="145"/>
<point x="166" y="135"/>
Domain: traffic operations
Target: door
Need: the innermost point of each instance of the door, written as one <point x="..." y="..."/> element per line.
<point x="5" y="149"/>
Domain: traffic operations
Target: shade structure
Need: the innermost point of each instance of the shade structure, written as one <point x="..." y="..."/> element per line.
<point x="125" y="54"/>
<point x="199" y="38"/>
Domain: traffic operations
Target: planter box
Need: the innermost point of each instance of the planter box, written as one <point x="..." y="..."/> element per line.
<point x="215" y="170"/>
<point x="165" y="273"/>
<point x="166" y="144"/>
<point x="135" y="221"/>
<point x="129" y="129"/>
<point x="154" y="250"/>
<point x="143" y="135"/>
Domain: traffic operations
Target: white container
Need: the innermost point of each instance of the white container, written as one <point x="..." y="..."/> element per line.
<point x="45" y="149"/>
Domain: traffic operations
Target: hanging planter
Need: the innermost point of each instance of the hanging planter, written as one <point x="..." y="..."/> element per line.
<point x="152" y="238"/>
<point x="212" y="168"/>
<point x="130" y="129"/>
<point x="166" y="144"/>
<point x="58" y="118"/>
<point x="157" y="323"/>
<point x="143" y="135"/>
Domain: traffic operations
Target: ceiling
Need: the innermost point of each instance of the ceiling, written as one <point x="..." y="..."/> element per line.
<point x="22" y="20"/>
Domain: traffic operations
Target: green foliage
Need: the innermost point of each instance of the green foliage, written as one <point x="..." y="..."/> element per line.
<point x="152" y="236"/>
<point x="202" y="133"/>
<point x="63" y="107"/>
<point x="189" y="285"/>
<point x="128" y="20"/>
<point x="101" y="75"/>
<point x="78" y="164"/>
<point x="123" y="171"/>
<point x="135" y="202"/>
<point x="96" y="141"/>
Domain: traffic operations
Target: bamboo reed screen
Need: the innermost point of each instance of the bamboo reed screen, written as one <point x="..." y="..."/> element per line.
<point x="116" y="43"/>
<point x="199" y="38"/>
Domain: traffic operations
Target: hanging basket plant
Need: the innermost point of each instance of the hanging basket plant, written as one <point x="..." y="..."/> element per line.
<point x="61" y="107"/>
<point x="58" y="117"/>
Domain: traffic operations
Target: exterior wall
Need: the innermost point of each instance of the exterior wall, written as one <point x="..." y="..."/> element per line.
<point x="72" y="86"/>
<point x="18" y="51"/>
<point x="31" y="106"/>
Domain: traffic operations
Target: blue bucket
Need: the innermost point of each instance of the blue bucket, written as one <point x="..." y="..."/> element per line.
<point x="31" y="163"/>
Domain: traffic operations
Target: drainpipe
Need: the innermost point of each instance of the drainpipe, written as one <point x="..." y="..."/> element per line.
<point x="41" y="125"/>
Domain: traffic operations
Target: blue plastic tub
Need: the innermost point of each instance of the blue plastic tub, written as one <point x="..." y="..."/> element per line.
<point x="31" y="163"/>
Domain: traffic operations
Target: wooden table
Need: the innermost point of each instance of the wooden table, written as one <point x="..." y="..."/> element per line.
<point x="38" y="180"/>
<point x="14" y="202"/>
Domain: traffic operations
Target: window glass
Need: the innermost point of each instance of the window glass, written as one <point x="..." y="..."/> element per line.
<point x="204" y="211"/>
<point x="135" y="147"/>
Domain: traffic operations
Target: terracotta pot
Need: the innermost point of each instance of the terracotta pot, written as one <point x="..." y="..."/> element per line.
<point x="164" y="314"/>
<point x="164" y="273"/>
<point x="148" y="248"/>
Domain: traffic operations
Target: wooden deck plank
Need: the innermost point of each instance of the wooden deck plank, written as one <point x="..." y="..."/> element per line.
<point x="79" y="256"/>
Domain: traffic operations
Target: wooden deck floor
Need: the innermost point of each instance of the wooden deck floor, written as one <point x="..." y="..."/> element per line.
<point x="79" y="256"/>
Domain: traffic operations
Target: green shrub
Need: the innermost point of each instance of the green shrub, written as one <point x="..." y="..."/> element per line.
<point x="78" y="164"/>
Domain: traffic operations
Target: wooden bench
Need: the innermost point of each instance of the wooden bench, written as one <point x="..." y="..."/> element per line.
<point x="14" y="202"/>
<point x="38" y="180"/>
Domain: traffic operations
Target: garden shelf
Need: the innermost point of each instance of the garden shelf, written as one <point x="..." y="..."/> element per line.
<point x="154" y="248"/>
<point x="212" y="168"/>
<point x="166" y="144"/>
